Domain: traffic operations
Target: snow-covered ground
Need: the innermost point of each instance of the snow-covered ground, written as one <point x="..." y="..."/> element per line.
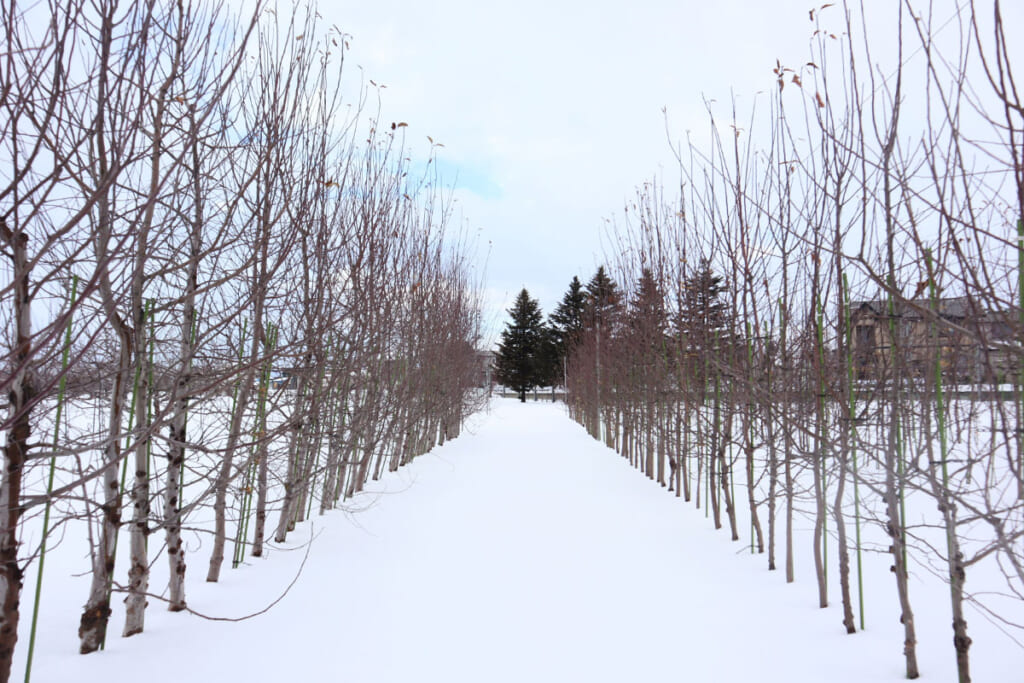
<point x="522" y="551"/>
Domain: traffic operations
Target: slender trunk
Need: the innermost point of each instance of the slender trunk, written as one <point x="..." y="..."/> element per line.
<point x="259" y="529"/>
<point x="844" y="554"/>
<point x="16" y="449"/>
<point x="773" y="484"/>
<point x="843" y="462"/>
<point x="295" y="452"/>
<point x="790" y="496"/>
<point x="751" y="482"/>
<point x="225" y="472"/>
<point x="894" y="528"/>
<point x="92" y="628"/>
<point x="819" y="523"/>
<point x="261" y="447"/>
<point x="755" y="521"/>
<point x="713" y="464"/>
<point x="893" y="446"/>
<point x="947" y="506"/>
<point x="179" y="417"/>
<point x="725" y="472"/>
<point x="138" y="573"/>
<point x="175" y="464"/>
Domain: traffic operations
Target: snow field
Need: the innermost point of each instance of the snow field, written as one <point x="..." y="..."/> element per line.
<point x="522" y="551"/>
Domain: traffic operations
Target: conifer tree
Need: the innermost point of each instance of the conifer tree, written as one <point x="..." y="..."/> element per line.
<point x="704" y="315"/>
<point x="704" y="320"/>
<point x="519" y="363"/>
<point x="602" y="301"/>
<point x="647" y="318"/>
<point x="565" y="325"/>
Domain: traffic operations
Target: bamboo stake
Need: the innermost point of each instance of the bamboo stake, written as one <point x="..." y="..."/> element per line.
<point x="1020" y="376"/>
<point x="823" y="435"/>
<point x="852" y="414"/>
<point x="259" y="432"/>
<point x="61" y="386"/>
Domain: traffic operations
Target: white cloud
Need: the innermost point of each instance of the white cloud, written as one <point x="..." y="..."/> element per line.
<point x="557" y="106"/>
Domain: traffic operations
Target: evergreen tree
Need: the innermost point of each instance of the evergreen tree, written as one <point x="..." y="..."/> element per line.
<point x="647" y="318"/>
<point x="549" y="360"/>
<point x="602" y="301"/>
<point x="519" y="363"/>
<point x="565" y="325"/>
<point x="704" y="314"/>
<point x="704" y="321"/>
<point x="599" y="321"/>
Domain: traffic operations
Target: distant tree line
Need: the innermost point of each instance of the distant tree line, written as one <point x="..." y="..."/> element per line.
<point x="533" y="353"/>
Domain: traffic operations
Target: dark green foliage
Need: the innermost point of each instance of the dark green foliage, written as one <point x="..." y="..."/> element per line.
<point x="565" y="327"/>
<point x="704" y="316"/>
<point x="647" y="319"/>
<point x="602" y="301"/>
<point x="567" y="321"/>
<point x="549" y="359"/>
<point x="520" y="362"/>
<point x="704" y="324"/>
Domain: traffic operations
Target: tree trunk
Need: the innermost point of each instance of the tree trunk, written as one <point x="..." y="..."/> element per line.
<point x="751" y="483"/>
<point x="16" y="449"/>
<point x="894" y="527"/>
<point x="957" y="578"/>
<point x="790" y="495"/>
<point x="259" y="528"/>
<point x="295" y="453"/>
<point x="817" y="458"/>
<point x="713" y="465"/>
<point x="725" y="468"/>
<point x="92" y="629"/>
<point x="773" y="487"/>
<point x="844" y="553"/>
<point x="225" y="474"/>
<point x="138" y="571"/>
<point x="179" y="417"/>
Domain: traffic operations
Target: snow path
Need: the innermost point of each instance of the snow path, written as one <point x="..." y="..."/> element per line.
<point x="522" y="551"/>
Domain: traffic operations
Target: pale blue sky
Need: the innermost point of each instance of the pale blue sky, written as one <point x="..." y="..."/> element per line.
<point x="550" y="112"/>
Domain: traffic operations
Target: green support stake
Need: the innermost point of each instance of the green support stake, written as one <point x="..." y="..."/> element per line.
<point x="852" y="416"/>
<point x="1020" y="363"/>
<point x="823" y="434"/>
<point x="61" y="386"/>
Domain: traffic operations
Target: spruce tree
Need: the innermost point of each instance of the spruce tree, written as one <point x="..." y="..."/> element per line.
<point x="603" y="300"/>
<point x="647" y="318"/>
<point x="599" y="321"/>
<point x="704" y="321"/>
<point x="565" y="326"/>
<point x="519" y="363"/>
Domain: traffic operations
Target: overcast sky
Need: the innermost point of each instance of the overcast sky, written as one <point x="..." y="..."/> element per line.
<point x="551" y="113"/>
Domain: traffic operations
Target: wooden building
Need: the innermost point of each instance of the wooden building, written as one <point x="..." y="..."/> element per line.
<point x="971" y="344"/>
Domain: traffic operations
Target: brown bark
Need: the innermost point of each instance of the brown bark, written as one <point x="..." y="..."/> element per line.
<point x="20" y="398"/>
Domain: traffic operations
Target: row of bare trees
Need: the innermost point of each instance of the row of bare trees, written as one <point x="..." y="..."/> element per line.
<point x="826" y="315"/>
<point x="229" y="279"/>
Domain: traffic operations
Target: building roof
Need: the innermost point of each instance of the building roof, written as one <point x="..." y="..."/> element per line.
<point x="951" y="308"/>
